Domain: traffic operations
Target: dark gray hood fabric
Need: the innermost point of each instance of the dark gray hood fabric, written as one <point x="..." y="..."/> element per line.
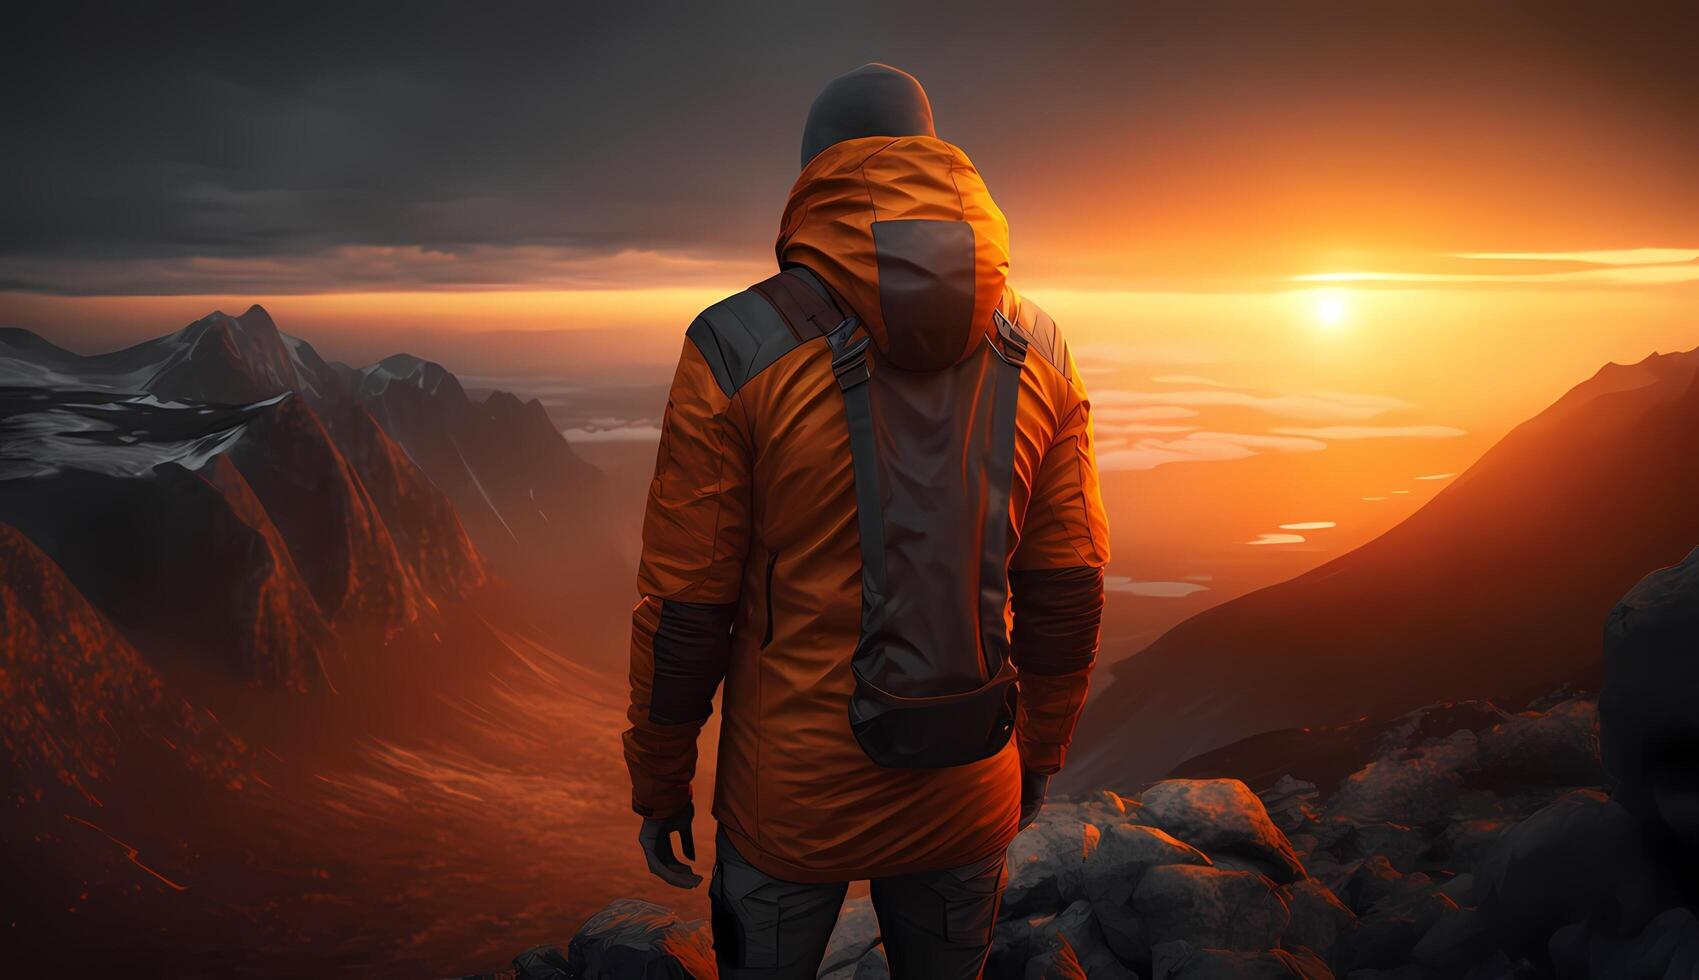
<point x="873" y="100"/>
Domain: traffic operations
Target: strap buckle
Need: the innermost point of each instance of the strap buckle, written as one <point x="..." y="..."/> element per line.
<point x="1013" y="348"/>
<point x="849" y="356"/>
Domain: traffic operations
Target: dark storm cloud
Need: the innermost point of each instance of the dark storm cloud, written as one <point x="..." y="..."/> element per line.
<point x="162" y="147"/>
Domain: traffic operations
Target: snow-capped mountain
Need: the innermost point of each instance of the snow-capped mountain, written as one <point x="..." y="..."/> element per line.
<point x="525" y="497"/>
<point x="305" y="494"/>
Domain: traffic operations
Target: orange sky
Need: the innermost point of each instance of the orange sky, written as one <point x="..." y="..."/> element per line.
<point x="1307" y="418"/>
<point x="1306" y="255"/>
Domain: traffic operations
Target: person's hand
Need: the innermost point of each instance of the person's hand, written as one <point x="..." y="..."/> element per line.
<point x="656" y="838"/>
<point x="1034" y="786"/>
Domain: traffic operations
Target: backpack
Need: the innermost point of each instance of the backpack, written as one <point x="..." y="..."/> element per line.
<point x="932" y="456"/>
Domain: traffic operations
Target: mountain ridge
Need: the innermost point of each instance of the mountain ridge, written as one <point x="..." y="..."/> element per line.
<point x="1582" y="498"/>
<point x="233" y="406"/>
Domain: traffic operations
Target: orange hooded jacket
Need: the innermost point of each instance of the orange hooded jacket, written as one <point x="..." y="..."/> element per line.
<point x="751" y="568"/>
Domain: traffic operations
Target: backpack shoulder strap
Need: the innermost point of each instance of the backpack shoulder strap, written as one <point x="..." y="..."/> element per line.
<point x="744" y="334"/>
<point x="803" y="300"/>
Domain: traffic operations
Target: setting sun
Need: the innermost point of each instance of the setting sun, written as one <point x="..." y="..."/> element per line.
<point x="1331" y="311"/>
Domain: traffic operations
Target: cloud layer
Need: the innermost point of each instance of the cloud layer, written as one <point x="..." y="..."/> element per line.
<point x="1127" y="439"/>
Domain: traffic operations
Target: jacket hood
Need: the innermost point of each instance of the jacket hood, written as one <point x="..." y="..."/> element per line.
<point x="873" y="100"/>
<point x="905" y="232"/>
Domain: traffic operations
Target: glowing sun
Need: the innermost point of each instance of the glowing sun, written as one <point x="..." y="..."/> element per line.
<point x="1331" y="311"/>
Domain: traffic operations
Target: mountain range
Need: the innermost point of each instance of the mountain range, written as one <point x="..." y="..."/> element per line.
<point x="275" y="629"/>
<point x="227" y="490"/>
<point x="1498" y="587"/>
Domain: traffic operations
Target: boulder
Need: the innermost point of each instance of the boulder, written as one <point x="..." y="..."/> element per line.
<point x="1220" y="816"/>
<point x="1464" y="843"/>
<point x="1046" y="861"/>
<point x="1458" y="888"/>
<point x="1560" y="746"/>
<point x="1420" y="789"/>
<point x="857" y="932"/>
<point x="1202" y="905"/>
<point x="1402" y="846"/>
<point x="1181" y="960"/>
<point x="1320" y="921"/>
<point x="541" y="963"/>
<point x="1072" y="939"/>
<point x="1011" y="948"/>
<point x="1290" y="803"/>
<point x="1578" y="856"/>
<point x="1456" y="940"/>
<point x="1367" y="882"/>
<point x="1393" y="926"/>
<point x="1060" y="963"/>
<point x="872" y="966"/>
<point x="1667" y="947"/>
<point x="1123" y="854"/>
<point x="633" y="940"/>
<point x="1649" y="731"/>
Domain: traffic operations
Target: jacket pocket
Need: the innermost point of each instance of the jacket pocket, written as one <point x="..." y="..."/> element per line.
<point x="767" y="635"/>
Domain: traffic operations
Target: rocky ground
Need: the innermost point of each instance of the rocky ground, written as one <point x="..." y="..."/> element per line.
<point x="1460" y="840"/>
<point x="1473" y="843"/>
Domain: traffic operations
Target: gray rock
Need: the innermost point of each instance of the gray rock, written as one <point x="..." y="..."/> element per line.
<point x="1667" y="947"/>
<point x="632" y="940"/>
<point x="1392" y="928"/>
<point x="1328" y="831"/>
<point x="1181" y="960"/>
<point x="857" y="932"/>
<point x="1458" y="888"/>
<point x="1567" y="950"/>
<point x="1402" y="846"/>
<point x="1465" y="842"/>
<point x="1114" y="870"/>
<point x="1421" y="789"/>
<point x="1367" y="882"/>
<point x="1647" y="725"/>
<point x="1320" y="921"/>
<point x="1578" y="856"/>
<point x="541" y="963"/>
<point x="1410" y="888"/>
<point x="1047" y="860"/>
<point x="1457" y="939"/>
<point x="1073" y="938"/>
<point x="1560" y="747"/>
<point x="1205" y="906"/>
<point x="872" y="965"/>
<point x="1060" y="963"/>
<point x="1011" y="947"/>
<point x="1290" y="803"/>
<point x="1220" y="816"/>
<point x="1332" y="874"/>
<point x="1124" y="853"/>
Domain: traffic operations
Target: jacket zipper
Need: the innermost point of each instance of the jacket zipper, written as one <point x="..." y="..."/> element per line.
<point x="772" y="560"/>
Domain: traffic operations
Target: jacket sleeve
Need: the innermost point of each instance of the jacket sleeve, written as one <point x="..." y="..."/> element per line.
<point x="695" y="536"/>
<point x="1056" y="591"/>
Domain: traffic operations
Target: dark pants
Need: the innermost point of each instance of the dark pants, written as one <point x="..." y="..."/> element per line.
<point x="935" y="925"/>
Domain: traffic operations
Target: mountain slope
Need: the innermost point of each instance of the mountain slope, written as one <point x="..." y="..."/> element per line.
<point x="221" y="488"/>
<point x="76" y="695"/>
<point x="386" y="486"/>
<point x="1499" y="585"/>
<point x="512" y="478"/>
<point x="139" y="505"/>
<point x="533" y="505"/>
<point x="454" y="478"/>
